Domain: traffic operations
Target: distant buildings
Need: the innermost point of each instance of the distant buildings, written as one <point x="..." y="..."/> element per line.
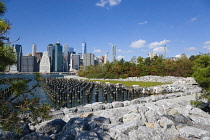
<point x="152" y="54"/>
<point x="88" y="59"/>
<point x="28" y="64"/>
<point x="58" y="63"/>
<point x="45" y="63"/>
<point x="84" y="49"/>
<point x="18" y="50"/>
<point x="113" y="53"/>
<point x="33" y="49"/>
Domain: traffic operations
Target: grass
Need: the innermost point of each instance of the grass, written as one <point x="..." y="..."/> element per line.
<point x="130" y="83"/>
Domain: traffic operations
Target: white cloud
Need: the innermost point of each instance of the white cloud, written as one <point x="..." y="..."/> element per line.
<point x="97" y="51"/>
<point x="118" y="50"/>
<point x="190" y="49"/>
<point x="207" y="47"/>
<point x="120" y="57"/>
<point x="156" y="44"/>
<point x="142" y="50"/>
<point x="103" y="3"/>
<point x="194" y="19"/>
<point x="138" y="44"/>
<point x="207" y="43"/>
<point x="144" y="22"/>
<point x="179" y="55"/>
<point x="129" y="51"/>
<point x="159" y="49"/>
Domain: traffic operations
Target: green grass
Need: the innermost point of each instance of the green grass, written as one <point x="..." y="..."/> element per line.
<point x="130" y="83"/>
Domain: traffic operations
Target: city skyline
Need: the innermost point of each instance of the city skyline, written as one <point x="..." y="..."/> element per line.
<point x="136" y="27"/>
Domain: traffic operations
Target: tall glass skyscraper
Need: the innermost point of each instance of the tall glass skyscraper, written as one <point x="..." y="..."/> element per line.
<point x="18" y="50"/>
<point x="58" y="64"/>
<point x="51" y="53"/>
<point x="113" y="53"/>
<point x="84" y="49"/>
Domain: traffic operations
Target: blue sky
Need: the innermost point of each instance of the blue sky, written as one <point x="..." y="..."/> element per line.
<point x="136" y="27"/>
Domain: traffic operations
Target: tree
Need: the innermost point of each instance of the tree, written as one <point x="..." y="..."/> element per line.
<point x="19" y="106"/>
<point x="7" y="57"/>
<point x="202" y="72"/>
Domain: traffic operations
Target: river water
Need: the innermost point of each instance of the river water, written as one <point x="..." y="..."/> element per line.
<point x="38" y="91"/>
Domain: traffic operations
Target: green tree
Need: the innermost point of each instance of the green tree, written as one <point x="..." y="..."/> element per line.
<point x="7" y="57"/>
<point x="202" y="72"/>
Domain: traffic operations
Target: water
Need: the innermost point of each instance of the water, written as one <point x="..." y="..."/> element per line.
<point x="38" y="91"/>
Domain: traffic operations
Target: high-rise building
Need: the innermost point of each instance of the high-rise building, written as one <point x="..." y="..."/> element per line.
<point x="113" y="53"/>
<point x="51" y="53"/>
<point x="75" y="62"/>
<point x="18" y="50"/>
<point x="45" y="63"/>
<point x="38" y="56"/>
<point x="28" y="64"/>
<point x="88" y="59"/>
<point x="58" y="63"/>
<point x="33" y="49"/>
<point x="106" y="58"/>
<point x="84" y="49"/>
<point x="65" y="57"/>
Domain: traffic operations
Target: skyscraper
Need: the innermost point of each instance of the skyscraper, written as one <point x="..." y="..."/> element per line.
<point x="84" y="49"/>
<point x="113" y="53"/>
<point x="58" y="63"/>
<point x="45" y="63"/>
<point x="51" y="53"/>
<point x="65" y="57"/>
<point x="18" y="50"/>
<point x="28" y="64"/>
<point x="88" y="59"/>
<point x="33" y="49"/>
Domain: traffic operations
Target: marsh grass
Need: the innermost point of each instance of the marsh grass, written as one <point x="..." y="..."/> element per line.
<point x="130" y="83"/>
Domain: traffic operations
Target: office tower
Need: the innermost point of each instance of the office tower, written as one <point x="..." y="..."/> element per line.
<point x="106" y="58"/>
<point x="45" y="63"/>
<point x="28" y="64"/>
<point x="101" y="59"/>
<point x="18" y="50"/>
<point x="51" y="53"/>
<point x="71" y="50"/>
<point x="88" y="59"/>
<point x="38" y="56"/>
<point x="75" y="62"/>
<point x="58" y="61"/>
<point x="84" y="49"/>
<point x="33" y="49"/>
<point x="152" y="54"/>
<point x="65" y="57"/>
<point x="113" y="53"/>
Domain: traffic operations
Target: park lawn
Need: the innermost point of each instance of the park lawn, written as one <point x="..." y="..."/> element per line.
<point x="130" y="83"/>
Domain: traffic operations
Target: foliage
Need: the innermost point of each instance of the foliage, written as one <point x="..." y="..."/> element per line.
<point x="7" y="57"/>
<point x="155" y="66"/>
<point x="202" y="71"/>
<point x="21" y="107"/>
<point x="202" y="76"/>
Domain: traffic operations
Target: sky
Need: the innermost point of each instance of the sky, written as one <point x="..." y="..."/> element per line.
<point x="135" y="27"/>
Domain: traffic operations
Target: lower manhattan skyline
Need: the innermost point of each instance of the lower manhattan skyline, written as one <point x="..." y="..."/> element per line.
<point x="135" y="27"/>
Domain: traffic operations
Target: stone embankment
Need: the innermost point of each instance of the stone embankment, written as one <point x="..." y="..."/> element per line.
<point x="157" y="117"/>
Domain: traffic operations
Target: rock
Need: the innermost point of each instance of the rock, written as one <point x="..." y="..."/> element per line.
<point x="35" y="136"/>
<point x="117" y="104"/>
<point x="89" y="135"/>
<point x="144" y="133"/>
<point x="131" y="117"/>
<point x="82" y="109"/>
<point x="6" y="135"/>
<point x="206" y="138"/>
<point x="52" y="127"/>
<point x="91" y="127"/>
<point x="173" y="112"/>
<point x="150" y="125"/>
<point x="191" y="132"/>
<point x="87" y="115"/>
